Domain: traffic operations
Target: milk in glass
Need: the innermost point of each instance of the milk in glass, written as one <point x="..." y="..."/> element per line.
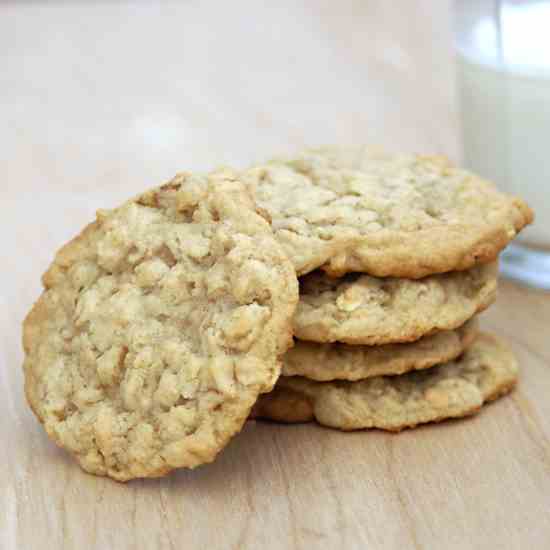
<point x="503" y="60"/>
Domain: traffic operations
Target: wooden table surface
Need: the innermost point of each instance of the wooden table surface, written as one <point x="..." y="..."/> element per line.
<point x="100" y="101"/>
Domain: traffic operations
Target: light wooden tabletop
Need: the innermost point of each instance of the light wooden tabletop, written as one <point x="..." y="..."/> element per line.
<point x="101" y="101"/>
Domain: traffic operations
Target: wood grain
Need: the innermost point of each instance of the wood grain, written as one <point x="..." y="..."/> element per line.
<point x="101" y="101"/>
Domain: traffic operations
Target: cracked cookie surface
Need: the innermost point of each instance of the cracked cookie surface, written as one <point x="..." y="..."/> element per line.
<point x="324" y="362"/>
<point x="360" y="309"/>
<point x="360" y="209"/>
<point x="487" y="370"/>
<point x="159" y="326"/>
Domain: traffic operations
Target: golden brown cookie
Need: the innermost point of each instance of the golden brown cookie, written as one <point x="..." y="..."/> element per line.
<point x="360" y="309"/>
<point x="159" y="326"/>
<point x="487" y="370"/>
<point x="325" y="362"/>
<point x="360" y="209"/>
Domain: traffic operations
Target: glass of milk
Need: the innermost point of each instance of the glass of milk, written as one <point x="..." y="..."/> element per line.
<point x="503" y="60"/>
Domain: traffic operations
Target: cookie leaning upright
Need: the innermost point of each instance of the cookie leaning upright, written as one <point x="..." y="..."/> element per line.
<point x="159" y="326"/>
<point x="359" y="209"/>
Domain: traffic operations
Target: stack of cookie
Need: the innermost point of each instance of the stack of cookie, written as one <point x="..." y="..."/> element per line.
<point x="170" y="318"/>
<point x="405" y="254"/>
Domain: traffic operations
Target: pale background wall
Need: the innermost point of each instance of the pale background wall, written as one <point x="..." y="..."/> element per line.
<point x="97" y="94"/>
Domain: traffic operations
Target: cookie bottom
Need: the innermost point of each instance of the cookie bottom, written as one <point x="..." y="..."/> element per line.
<point x="487" y="370"/>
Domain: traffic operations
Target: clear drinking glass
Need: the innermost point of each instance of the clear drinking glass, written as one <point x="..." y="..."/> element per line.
<point x="503" y="63"/>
